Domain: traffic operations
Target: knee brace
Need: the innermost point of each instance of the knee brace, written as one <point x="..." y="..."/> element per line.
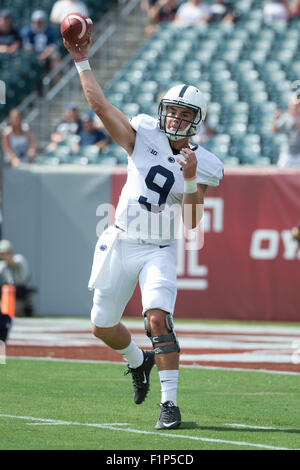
<point x="156" y="340"/>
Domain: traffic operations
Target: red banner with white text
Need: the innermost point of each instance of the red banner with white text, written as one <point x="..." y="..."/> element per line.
<point x="249" y="265"/>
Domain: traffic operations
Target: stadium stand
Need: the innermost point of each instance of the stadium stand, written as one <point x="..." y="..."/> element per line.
<point x="245" y="70"/>
<point x="22" y="71"/>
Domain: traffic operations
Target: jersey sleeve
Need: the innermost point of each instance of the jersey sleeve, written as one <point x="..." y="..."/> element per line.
<point x="144" y="124"/>
<point x="135" y="122"/>
<point x="210" y="174"/>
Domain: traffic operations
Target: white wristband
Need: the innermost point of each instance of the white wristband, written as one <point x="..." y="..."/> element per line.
<point x="190" y="185"/>
<point x="82" y="65"/>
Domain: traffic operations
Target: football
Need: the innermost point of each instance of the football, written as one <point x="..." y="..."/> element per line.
<point x="76" y="28"/>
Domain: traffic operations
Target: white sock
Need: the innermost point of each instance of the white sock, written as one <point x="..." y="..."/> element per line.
<point x="169" y="382"/>
<point x="133" y="355"/>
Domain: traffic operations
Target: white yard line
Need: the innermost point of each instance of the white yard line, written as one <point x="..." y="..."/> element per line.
<point x="138" y="431"/>
<point x="249" y="426"/>
<point x="254" y="357"/>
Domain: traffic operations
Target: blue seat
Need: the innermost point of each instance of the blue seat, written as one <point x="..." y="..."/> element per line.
<point x="130" y="109"/>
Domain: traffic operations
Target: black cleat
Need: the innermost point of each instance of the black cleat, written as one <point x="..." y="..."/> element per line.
<point x="170" y="417"/>
<point x="140" y="377"/>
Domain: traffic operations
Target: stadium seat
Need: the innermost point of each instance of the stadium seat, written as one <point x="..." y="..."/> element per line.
<point x="149" y="86"/>
<point x="91" y="152"/>
<point x="80" y="160"/>
<point x="109" y="161"/>
<point x="231" y="161"/>
<point x="122" y="86"/>
<point x="120" y="154"/>
<point x="191" y="76"/>
<point x="244" y="69"/>
<point x="130" y="109"/>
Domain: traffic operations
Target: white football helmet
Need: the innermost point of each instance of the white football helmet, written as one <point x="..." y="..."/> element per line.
<point x="186" y="96"/>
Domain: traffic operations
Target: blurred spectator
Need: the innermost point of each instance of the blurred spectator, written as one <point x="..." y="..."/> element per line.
<point x="296" y="232"/>
<point x="192" y="12"/>
<point x="295" y="9"/>
<point x="62" y="8"/>
<point x="14" y="270"/>
<point x="222" y="10"/>
<point x="159" y="11"/>
<point x="70" y="125"/>
<point x="10" y="40"/>
<point x="40" y="38"/>
<point x="18" y="143"/>
<point x="90" y="134"/>
<point x="288" y="122"/>
<point x="276" y="10"/>
<point x="144" y="4"/>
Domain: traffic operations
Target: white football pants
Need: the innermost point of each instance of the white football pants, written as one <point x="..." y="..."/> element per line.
<point x="132" y="261"/>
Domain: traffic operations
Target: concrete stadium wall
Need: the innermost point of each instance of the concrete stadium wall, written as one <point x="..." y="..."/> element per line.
<point x="50" y="217"/>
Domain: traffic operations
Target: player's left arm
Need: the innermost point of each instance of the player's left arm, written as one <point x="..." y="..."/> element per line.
<point x="193" y="203"/>
<point x="193" y="207"/>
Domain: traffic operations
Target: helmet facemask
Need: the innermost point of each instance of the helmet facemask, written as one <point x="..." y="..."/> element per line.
<point x="187" y="97"/>
<point x="178" y="134"/>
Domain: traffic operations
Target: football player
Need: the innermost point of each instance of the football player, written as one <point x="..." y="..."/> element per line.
<point x="164" y="171"/>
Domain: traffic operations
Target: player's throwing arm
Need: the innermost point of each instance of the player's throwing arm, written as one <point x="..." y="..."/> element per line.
<point x="115" y="122"/>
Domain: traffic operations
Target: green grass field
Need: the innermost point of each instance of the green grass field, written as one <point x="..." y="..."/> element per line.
<point x="220" y="409"/>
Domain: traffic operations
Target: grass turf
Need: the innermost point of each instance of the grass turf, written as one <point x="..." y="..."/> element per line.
<point x="99" y="393"/>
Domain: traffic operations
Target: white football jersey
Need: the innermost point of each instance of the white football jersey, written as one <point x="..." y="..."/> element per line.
<point x="150" y="203"/>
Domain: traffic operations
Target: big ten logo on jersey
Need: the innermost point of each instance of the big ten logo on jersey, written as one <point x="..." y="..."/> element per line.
<point x="153" y="151"/>
<point x="269" y="244"/>
<point x="191" y="274"/>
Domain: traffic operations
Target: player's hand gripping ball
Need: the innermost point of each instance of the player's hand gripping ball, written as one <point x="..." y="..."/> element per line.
<point x="76" y="29"/>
